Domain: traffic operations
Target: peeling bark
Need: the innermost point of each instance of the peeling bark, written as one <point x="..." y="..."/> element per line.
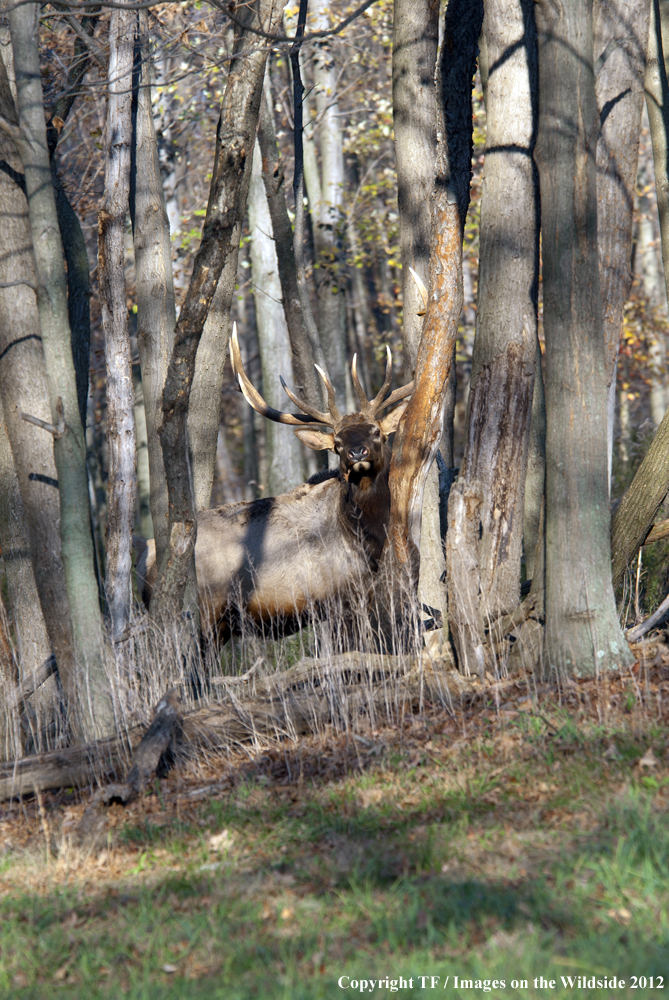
<point x="419" y="433"/>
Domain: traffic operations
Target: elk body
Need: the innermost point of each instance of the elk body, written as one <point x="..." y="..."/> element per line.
<point x="272" y="563"/>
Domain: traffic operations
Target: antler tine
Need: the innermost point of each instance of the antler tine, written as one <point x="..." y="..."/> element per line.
<point x="362" y="395"/>
<point x="378" y="399"/>
<point x="396" y="395"/>
<point x="253" y="397"/>
<point x="335" y="415"/>
<point x="322" y="418"/>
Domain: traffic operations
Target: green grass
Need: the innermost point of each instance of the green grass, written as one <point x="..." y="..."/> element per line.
<point x="523" y="853"/>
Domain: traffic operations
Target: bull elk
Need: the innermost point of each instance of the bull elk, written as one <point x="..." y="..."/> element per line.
<point x="274" y="562"/>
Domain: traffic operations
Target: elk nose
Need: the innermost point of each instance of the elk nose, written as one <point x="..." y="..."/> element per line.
<point x="358" y="454"/>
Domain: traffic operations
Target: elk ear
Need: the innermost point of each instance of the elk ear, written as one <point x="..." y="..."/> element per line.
<point x="316" y="440"/>
<point x="390" y="422"/>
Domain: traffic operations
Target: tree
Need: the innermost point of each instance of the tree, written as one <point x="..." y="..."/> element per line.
<point x="487" y="506"/>
<point x="156" y="313"/>
<point x="121" y="435"/>
<point x="89" y="690"/>
<point x="415" y="39"/>
<point x="582" y="631"/>
<point x="282" y="449"/>
<point x="24" y="389"/>
<point x="229" y="188"/>
<point x="418" y="437"/>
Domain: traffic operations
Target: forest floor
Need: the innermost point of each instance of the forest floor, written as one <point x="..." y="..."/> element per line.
<point x="504" y="843"/>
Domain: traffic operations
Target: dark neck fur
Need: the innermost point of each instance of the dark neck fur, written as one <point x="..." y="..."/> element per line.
<point x="365" y="508"/>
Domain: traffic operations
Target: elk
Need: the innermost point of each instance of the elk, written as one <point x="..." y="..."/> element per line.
<point x="275" y="562"/>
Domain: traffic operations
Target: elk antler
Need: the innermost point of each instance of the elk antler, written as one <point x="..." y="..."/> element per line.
<point x="254" y="399"/>
<point x="310" y="415"/>
<point x="372" y="407"/>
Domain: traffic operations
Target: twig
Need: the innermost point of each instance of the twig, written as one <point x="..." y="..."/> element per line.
<point x="41" y="423"/>
<point x="326" y="33"/>
<point x="636" y="633"/>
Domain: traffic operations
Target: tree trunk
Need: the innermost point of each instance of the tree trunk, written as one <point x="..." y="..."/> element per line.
<point x="273" y="177"/>
<point x="204" y="409"/>
<point x="419" y="433"/>
<point x="156" y="314"/>
<point x="229" y="187"/>
<point x="330" y="222"/>
<point x="89" y="691"/>
<point x="143" y="522"/>
<point x="415" y="41"/>
<point x="657" y="103"/>
<point x="636" y="513"/>
<point x="283" y="450"/>
<point x="24" y="389"/>
<point x="505" y="348"/>
<point x="621" y="40"/>
<point x="121" y="436"/>
<point x="32" y="640"/>
<point x="583" y="635"/>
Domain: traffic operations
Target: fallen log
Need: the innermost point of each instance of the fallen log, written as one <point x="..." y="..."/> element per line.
<point x="254" y="708"/>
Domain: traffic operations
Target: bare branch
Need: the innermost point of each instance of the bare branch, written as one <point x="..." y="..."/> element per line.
<point x="288" y="38"/>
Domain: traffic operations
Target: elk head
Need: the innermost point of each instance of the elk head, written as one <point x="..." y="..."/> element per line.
<point x="360" y="439"/>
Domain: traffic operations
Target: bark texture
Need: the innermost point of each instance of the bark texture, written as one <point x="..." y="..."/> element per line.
<point x="621" y="39"/>
<point x="328" y="215"/>
<point x="156" y="314"/>
<point x="24" y="389"/>
<point x="657" y="102"/>
<point x="415" y="42"/>
<point x="505" y="348"/>
<point x="274" y="178"/>
<point x="282" y="449"/>
<point x="31" y="637"/>
<point x="121" y="437"/>
<point x="583" y="635"/>
<point x="89" y="690"/>
<point x="636" y="513"/>
<point x="229" y="187"/>
<point x="419" y="433"/>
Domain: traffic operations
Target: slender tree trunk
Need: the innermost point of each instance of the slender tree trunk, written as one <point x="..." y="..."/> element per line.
<point x="419" y="433"/>
<point x="24" y="389"/>
<point x="156" y="313"/>
<point x="648" y="267"/>
<point x="657" y="103"/>
<point x="204" y="409"/>
<point x="283" y="451"/>
<point x="636" y="513"/>
<point x="415" y="42"/>
<point x="229" y="188"/>
<point x="621" y="40"/>
<point x="273" y="177"/>
<point x="94" y="714"/>
<point x="583" y="635"/>
<point x="143" y="522"/>
<point x="32" y="640"/>
<point x="121" y="436"/>
<point x="330" y="222"/>
<point x="505" y="348"/>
